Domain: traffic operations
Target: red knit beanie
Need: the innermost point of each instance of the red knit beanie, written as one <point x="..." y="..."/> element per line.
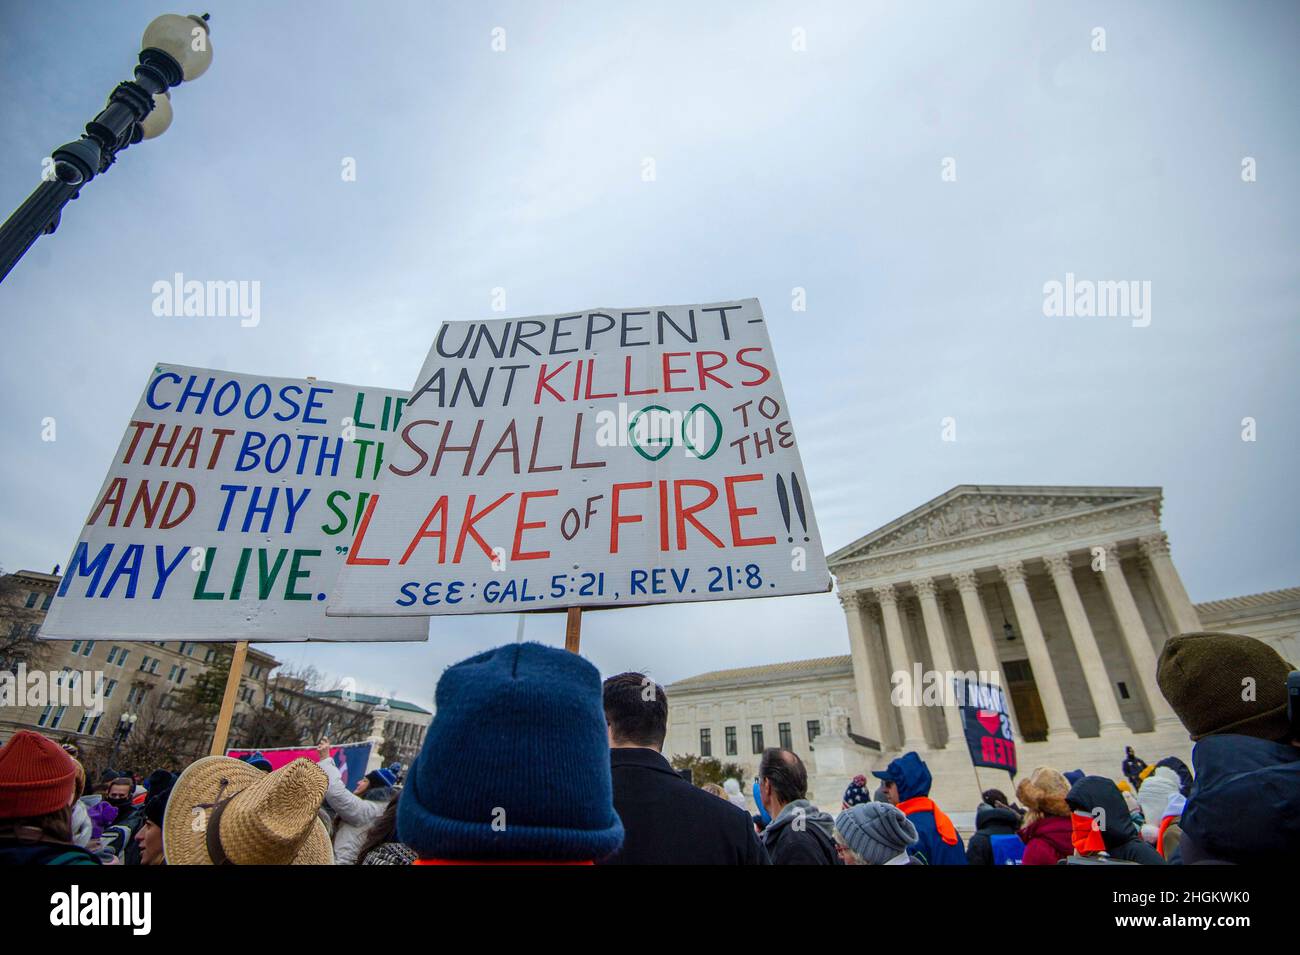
<point x="36" y="776"/>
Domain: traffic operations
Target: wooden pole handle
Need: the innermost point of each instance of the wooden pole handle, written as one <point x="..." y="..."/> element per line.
<point x="228" y="699"/>
<point x="573" y="630"/>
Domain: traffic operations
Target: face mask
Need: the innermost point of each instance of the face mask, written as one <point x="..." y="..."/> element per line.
<point x="1085" y="835"/>
<point x="117" y="801"/>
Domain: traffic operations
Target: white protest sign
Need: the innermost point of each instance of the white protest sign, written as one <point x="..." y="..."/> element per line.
<point x="593" y="459"/>
<point x="227" y="511"/>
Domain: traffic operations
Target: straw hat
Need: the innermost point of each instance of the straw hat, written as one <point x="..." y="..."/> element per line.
<point x="223" y="811"/>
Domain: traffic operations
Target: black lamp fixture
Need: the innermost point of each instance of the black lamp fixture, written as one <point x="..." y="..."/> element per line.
<point x="1008" y="631"/>
<point x="174" y="49"/>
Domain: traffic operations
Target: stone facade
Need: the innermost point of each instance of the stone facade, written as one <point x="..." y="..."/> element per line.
<point x="1064" y="595"/>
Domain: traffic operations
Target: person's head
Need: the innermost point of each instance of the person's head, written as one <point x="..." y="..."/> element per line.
<point x="37" y="786"/>
<point x="259" y="761"/>
<point x="1043" y="793"/>
<point x="782" y="779"/>
<point x="1101" y="816"/>
<point x="158" y="781"/>
<point x="376" y="784"/>
<point x="515" y="764"/>
<point x="905" y="778"/>
<point x="855" y="792"/>
<point x="714" y="789"/>
<point x="1153" y="795"/>
<point x="636" y="711"/>
<point x="872" y="833"/>
<point x="1204" y="677"/>
<point x="995" y="798"/>
<point x="119" y="792"/>
<point x="149" y="838"/>
<point x="1128" y="750"/>
<point x="222" y="811"/>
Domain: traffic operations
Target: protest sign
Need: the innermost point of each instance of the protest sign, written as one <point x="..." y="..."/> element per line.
<point x="350" y="758"/>
<point x="226" y="513"/>
<point x="986" y="718"/>
<point x="591" y="459"/>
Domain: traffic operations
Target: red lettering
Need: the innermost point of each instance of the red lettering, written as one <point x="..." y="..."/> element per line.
<point x="685" y="514"/>
<point x="735" y="513"/>
<point x="439" y="508"/>
<point x="522" y="525"/>
<point x="467" y="528"/>
<point x="615" y="518"/>
<point x="543" y="381"/>
<point x="355" y="550"/>
<point x="740" y="358"/>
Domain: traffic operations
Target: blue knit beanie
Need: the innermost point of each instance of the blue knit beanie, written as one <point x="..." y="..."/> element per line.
<point x="381" y="777"/>
<point x="515" y="764"/>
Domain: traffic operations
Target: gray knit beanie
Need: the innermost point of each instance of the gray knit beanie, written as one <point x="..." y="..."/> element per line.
<point x="876" y="831"/>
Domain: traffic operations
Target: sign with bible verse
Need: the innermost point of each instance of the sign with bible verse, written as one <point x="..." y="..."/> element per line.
<point x="227" y="511"/>
<point x="592" y="459"/>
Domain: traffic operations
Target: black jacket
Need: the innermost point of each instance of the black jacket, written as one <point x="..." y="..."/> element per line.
<point x="667" y="821"/>
<point x="990" y="821"/>
<point x="16" y="852"/>
<point x="809" y="843"/>
<point x="1245" y="803"/>
<point x="1123" y="841"/>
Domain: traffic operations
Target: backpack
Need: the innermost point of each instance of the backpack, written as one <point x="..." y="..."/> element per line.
<point x="1007" y="849"/>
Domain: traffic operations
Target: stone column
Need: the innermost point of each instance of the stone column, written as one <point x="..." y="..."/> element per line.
<point x="1049" y="690"/>
<point x="986" y="654"/>
<point x="913" y="733"/>
<point x="939" y="653"/>
<point x="863" y="683"/>
<point x="1156" y="550"/>
<point x="379" y="715"/>
<point x="1136" y="637"/>
<point x="1111" y="723"/>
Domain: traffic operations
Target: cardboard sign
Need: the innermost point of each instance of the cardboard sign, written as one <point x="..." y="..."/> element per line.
<point x="598" y="458"/>
<point x="227" y="511"/>
<point x="986" y="718"/>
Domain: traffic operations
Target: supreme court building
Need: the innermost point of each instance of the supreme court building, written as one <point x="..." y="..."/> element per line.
<point x="1064" y="594"/>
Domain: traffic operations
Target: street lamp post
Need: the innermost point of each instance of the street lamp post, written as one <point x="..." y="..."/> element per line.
<point x="125" y="724"/>
<point x="175" y="49"/>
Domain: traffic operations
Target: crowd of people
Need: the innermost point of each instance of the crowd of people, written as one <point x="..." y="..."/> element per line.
<point x="532" y="759"/>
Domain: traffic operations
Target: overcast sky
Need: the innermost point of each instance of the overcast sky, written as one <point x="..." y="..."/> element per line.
<point x="775" y="168"/>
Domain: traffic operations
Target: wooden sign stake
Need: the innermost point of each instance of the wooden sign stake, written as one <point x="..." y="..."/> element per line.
<point x="573" y="629"/>
<point x="228" y="700"/>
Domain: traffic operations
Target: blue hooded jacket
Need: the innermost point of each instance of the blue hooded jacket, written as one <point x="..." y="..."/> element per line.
<point x="1245" y="802"/>
<point x="913" y="779"/>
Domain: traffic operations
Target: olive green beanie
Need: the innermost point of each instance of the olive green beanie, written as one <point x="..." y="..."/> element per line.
<point x="1225" y="683"/>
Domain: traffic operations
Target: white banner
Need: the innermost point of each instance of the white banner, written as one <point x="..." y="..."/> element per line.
<point x="227" y="511"/>
<point x="595" y="459"/>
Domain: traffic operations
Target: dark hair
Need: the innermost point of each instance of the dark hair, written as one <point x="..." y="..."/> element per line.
<point x="995" y="798"/>
<point x="53" y="826"/>
<point x="634" y="718"/>
<point x="785" y="772"/>
<point x="383" y="829"/>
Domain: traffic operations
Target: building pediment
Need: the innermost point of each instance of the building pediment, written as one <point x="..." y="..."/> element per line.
<point x="969" y="512"/>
